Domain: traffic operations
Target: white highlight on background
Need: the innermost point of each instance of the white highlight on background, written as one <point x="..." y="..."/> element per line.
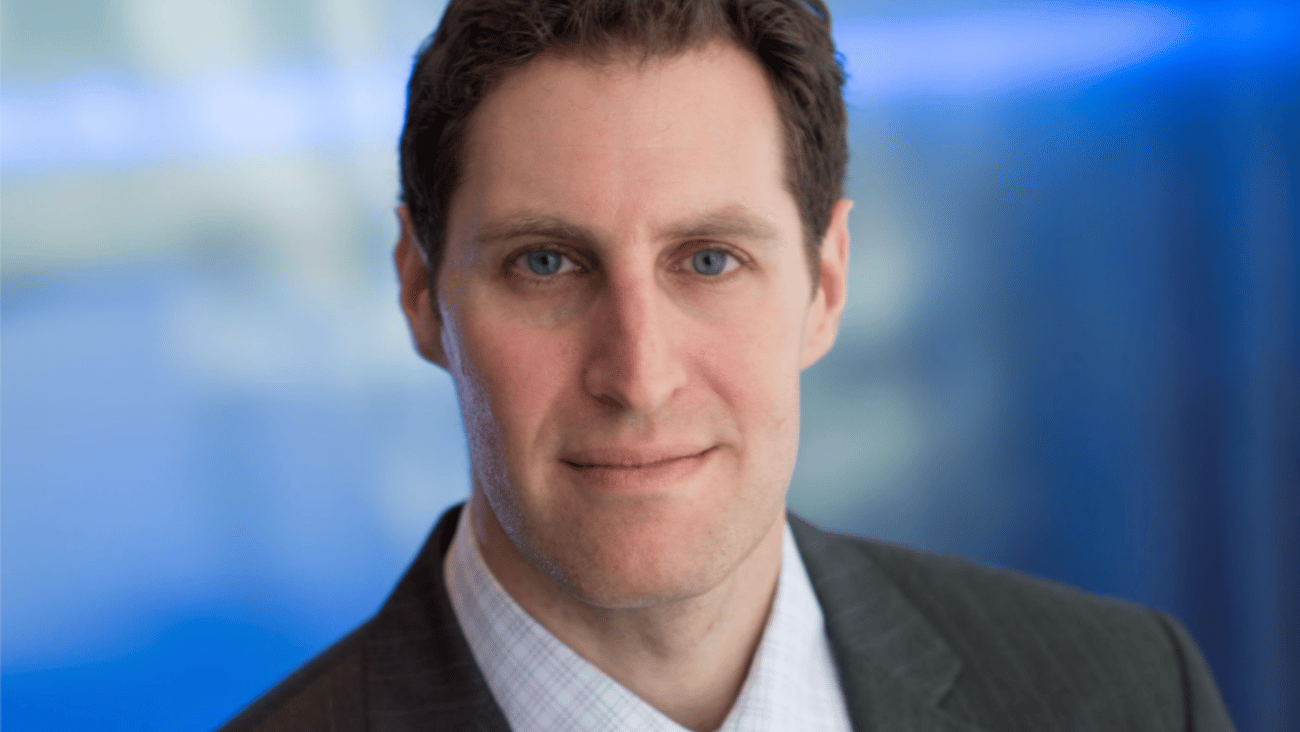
<point x="1002" y="50"/>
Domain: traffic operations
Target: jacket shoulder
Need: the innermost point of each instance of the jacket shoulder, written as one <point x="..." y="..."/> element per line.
<point x="1031" y="649"/>
<point x="325" y="694"/>
<point x="409" y="667"/>
<point x="941" y="586"/>
<point x="989" y="593"/>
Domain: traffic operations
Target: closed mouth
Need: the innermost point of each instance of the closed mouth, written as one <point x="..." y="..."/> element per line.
<point x="632" y="466"/>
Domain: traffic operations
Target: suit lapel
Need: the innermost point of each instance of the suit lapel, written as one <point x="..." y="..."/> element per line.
<point x="421" y="674"/>
<point x="894" y="668"/>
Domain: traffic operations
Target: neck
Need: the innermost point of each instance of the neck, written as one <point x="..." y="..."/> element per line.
<point x="687" y="658"/>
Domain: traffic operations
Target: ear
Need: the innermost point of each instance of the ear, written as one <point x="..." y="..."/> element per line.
<point x="828" y="301"/>
<point x="417" y="296"/>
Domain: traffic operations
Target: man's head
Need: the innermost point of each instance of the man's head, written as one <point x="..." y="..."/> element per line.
<point x="478" y="42"/>
<point x="620" y="292"/>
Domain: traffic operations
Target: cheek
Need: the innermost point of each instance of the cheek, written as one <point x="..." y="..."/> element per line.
<point x="752" y="363"/>
<point x="513" y="375"/>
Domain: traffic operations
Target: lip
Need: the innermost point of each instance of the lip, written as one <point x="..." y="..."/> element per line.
<point x="630" y="459"/>
<point x="622" y="471"/>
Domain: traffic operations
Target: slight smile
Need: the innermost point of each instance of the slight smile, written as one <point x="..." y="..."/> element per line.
<point x="631" y="464"/>
<point x="624" y="476"/>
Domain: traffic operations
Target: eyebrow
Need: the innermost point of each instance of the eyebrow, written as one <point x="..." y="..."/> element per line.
<point x="729" y="221"/>
<point x="533" y="225"/>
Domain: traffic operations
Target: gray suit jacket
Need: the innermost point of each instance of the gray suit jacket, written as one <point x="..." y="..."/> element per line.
<point x="921" y="643"/>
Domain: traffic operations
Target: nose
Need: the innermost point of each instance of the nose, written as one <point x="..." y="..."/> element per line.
<point x="633" y="363"/>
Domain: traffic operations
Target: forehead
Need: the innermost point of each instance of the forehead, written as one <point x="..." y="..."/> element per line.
<point x="627" y="137"/>
<point x="563" y="88"/>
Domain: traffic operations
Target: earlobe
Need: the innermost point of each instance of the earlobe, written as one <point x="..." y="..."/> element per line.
<point x="832" y="284"/>
<point x="416" y="293"/>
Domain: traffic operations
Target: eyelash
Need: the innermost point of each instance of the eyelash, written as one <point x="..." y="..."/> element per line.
<point x="516" y="263"/>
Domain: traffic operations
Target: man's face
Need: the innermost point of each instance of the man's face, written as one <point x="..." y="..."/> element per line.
<point x="624" y="305"/>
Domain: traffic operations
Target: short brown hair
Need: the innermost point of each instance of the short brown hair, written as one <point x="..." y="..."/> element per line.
<point x="479" y="41"/>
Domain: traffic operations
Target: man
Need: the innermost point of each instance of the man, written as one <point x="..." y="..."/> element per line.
<point x="622" y="235"/>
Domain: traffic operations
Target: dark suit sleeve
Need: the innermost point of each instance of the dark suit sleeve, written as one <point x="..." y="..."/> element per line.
<point x="1203" y="708"/>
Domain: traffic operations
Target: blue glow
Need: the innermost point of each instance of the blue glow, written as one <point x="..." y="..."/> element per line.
<point x="107" y="120"/>
<point x="1003" y="49"/>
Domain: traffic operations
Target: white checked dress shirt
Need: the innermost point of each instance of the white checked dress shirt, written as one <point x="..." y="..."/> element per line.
<point x="543" y="686"/>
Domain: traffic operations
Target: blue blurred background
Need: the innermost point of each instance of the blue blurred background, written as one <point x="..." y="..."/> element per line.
<point x="1071" y="345"/>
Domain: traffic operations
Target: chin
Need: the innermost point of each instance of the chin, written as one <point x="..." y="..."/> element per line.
<point x="644" y="554"/>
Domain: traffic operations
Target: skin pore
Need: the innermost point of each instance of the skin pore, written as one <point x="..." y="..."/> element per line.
<point x="624" y="305"/>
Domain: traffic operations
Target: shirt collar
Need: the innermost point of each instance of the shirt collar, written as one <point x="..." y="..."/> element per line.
<point x="541" y="684"/>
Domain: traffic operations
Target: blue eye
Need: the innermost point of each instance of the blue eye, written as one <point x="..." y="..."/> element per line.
<point x="545" y="262"/>
<point x="709" y="261"/>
